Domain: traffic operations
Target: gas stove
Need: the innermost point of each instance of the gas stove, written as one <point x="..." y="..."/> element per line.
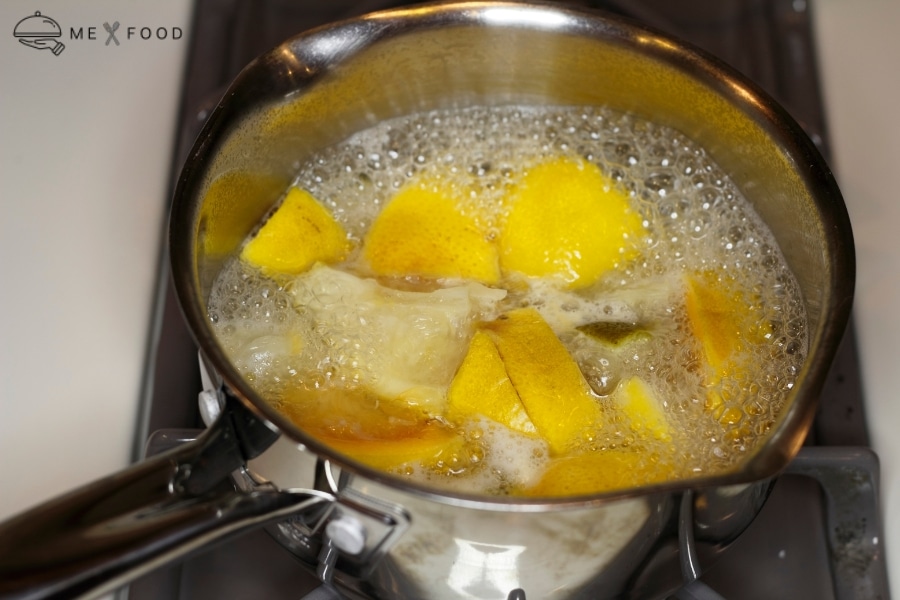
<point x="801" y="554"/>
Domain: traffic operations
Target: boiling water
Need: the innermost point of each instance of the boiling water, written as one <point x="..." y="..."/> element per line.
<point x="694" y="219"/>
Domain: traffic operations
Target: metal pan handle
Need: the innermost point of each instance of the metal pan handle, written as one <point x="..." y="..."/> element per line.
<point x="107" y="533"/>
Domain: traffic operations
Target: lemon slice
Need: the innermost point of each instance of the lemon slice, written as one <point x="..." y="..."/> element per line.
<point x="423" y="231"/>
<point x="426" y="447"/>
<point x="233" y="200"/>
<point x="598" y="472"/>
<point x="482" y="387"/>
<point x="300" y="233"/>
<point x="567" y="221"/>
<point x="721" y="318"/>
<point x="726" y="325"/>
<point x="643" y="409"/>
<point x="549" y="383"/>
<point x="376" y="432"/>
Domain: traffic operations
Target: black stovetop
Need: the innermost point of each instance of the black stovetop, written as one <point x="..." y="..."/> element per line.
<point x="781" y="555"/>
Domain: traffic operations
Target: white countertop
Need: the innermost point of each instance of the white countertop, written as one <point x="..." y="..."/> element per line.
<point x="858" y="53"/>
<point x="86" y="139"/>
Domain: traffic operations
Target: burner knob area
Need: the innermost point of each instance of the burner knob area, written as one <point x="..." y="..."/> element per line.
<point x="347" y="534"/>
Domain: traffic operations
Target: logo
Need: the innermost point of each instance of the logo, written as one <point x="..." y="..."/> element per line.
<point x="112" y="33"/>
<point x="43" y="33"/>
<point x="40" y="32"/>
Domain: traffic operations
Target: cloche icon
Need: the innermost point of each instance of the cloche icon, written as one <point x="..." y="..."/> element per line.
<point x="39" y="31"/>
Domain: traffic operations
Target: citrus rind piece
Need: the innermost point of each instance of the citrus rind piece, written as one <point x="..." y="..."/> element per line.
<point x="423" y="231"/>
<point x="300" y="233"/>
<point x="567" y="221"/>
<point x="547" y="379"/>
<point x="643" y="409"/>
<point x="598" y="472"/>
<point x="482" y="387"/>
<point x="727" y="325"/>
<point x="429" y="445"/>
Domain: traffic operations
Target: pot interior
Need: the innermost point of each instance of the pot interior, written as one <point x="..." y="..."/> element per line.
<point x="317" y="89"/>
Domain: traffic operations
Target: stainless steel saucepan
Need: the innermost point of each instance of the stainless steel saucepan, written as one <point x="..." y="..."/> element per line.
<point x="371" y="533"/>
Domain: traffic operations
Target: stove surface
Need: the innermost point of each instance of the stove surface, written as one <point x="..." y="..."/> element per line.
<point x="771" y="42"/>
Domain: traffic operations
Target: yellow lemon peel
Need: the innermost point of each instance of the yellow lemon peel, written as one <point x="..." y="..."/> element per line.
<point x="726" y="325"/>
<point x="365" y="427"/>
<point x="646" y="415"/>
<point x="299" y="234"/>
<point x="233" y="200"/>
<point x="422" y="231"/>
<point x="568" y="221"/>
<point x="482" y="387"/>
<point x="430" y="444"/>
<point x="547" y="379"/>
<point x="597" y="472"/>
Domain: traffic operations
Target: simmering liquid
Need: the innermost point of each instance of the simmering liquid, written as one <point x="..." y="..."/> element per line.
<point x="686" y="340"/>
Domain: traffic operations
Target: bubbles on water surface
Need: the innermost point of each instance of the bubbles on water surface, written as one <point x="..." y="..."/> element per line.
<point x="694" y="219"/>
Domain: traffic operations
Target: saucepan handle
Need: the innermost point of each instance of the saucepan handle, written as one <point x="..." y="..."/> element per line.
<point x="109" y="532"/>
